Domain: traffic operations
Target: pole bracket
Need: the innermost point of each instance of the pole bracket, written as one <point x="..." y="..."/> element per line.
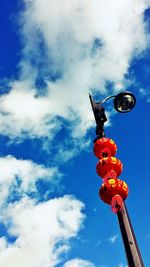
<point x="100" y="117"/>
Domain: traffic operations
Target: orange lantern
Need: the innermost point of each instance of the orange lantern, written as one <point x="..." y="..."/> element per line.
<point x="104" y="147"/>
<point x="111" y="188"/>
<point x="108" y="164"/>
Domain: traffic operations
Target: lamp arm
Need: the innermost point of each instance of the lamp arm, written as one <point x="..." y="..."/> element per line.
<point x="105" y="99"/>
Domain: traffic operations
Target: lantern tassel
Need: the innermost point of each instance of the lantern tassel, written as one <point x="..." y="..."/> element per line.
<point x="116" y="203"/>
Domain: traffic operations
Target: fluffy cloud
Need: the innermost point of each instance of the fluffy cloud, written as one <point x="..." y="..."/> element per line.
<point x="22" y="114"/>
<point x="42" y="231"/>
<point x="69" y="50"/>
<point x="78" y="263"/>
<point x="20" y="176"/>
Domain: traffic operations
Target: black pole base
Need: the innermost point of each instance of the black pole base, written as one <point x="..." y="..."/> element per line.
<point x="131" y="247"/>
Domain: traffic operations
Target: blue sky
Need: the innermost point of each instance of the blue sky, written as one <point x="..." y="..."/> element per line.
<point x="52" y="55"/>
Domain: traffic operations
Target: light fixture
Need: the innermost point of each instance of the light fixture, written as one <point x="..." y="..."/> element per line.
<point x="123" y="102"/>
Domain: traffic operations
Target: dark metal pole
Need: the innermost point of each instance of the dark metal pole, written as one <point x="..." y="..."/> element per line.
<point x="100" y="117"/>
<point x="131" y="247"/>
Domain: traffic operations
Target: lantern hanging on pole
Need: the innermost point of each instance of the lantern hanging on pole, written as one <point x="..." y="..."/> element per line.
<point x="114" y="189"/>
<point x="108" y="164"/>
<point x="104" y="147"/>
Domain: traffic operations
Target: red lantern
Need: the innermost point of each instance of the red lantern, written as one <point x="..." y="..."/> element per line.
<point x="104" y="147"/>
<point x="108" y="164"/>
<point x="111" y="188"/>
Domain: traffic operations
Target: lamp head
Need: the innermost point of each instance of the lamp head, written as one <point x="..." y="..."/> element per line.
<point x="124" y="102"/>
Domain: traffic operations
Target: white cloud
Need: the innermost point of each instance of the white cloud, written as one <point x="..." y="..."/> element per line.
<point x="113" y="239"/>
<point x="145" y="93"/>
<point x="22" y="114"/>
<point x="122" y="265"/>
<point x="78" y="263"/>
<point x="21" y="176"/>
<point x="43" y="231"/>
<point x="83" y="44"/>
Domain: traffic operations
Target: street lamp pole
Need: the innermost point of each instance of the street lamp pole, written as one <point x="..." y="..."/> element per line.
<point x="130" y="244"/>
<point x="113" y="190"/>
